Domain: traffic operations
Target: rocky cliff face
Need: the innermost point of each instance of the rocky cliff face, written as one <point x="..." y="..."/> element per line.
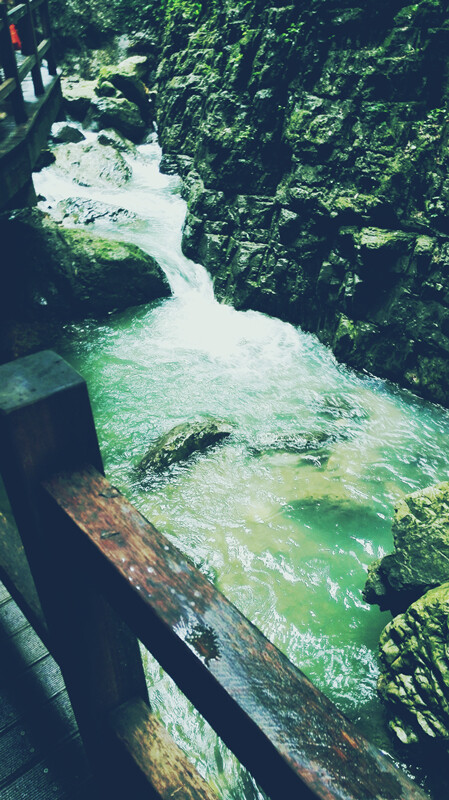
<point x="312" y="138"/>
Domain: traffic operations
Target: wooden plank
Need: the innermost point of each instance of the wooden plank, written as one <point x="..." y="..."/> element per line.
<point x="17" y="13"/>
<point x="15" y="574"/>
<point x="288" y="734"/>
<point x="6" y="88"/>
<point x="43" y="47"/>
<point x="46" y="420"/>
<point x="164" y="765"/>
<point x="26" y="66"/>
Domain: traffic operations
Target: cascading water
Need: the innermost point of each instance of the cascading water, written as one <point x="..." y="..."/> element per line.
<point x="286" y="536"/>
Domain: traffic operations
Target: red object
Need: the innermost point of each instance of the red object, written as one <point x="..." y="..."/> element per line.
<point x="15" y="37"/>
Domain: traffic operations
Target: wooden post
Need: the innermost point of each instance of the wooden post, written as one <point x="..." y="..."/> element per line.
<point x="29" y="47"/>
<point x="46" y="25"/>
<point x="10" y="66"/>
<point x="46" y="424"/>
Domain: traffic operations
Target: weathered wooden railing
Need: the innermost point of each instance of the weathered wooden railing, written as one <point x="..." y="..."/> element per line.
<point x="101" y="571"/>
<point x="36" y="44"/>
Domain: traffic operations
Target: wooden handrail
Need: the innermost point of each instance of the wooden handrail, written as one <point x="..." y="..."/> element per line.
<point x="24" y="13"/>
<point x="90" y="550"/>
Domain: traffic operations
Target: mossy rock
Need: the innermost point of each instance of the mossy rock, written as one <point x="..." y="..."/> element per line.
<point x="421" y="550"/>
<point x="67" y="274"/>
<point x="414" y="669"/>
<point x="180" y="442"/>
<point x="126" y="78"/>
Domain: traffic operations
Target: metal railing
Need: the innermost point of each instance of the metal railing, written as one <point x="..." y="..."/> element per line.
<point x="106" y="578"/>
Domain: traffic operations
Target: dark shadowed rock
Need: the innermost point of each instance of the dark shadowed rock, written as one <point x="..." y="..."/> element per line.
<point x="180" y="442"/>
<point x="118" y="113"/>
<point x="114" y="139"/>
<point x="420" y="559"/>
<point x="64" y="132"/>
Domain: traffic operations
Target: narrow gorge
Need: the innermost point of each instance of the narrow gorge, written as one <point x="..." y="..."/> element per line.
<point x="243" y="227"/>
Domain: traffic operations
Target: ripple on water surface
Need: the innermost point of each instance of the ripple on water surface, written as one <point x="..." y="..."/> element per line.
<point x="286" y="515"/>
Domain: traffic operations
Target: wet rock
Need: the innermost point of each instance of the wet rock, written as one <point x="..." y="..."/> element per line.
<point x="420" y="559"/>
<point x="82" y="211"/>
<point x="127" y="78"/>
<point x="46" y="157"/>
<point x="78" y="94"/>
<point x="62" y="132"/>
<point x="111" y="275"/>
<point x="118" y="113"/>
<point x="414" y="665"/>
<point x="91" y="164"/>
<point x="66" y="274"/>
<point x="112" y="138"/>
<point x="180" y="442"/>
<point x="315" y="124"/>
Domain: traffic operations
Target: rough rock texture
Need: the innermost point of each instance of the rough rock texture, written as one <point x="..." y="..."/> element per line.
<point x="67" y="273"/>
<point x="414" y="665"/>
<point x="118" y="113"/>
<point x="117" y="98"/>
<point x="180" y="442"/>
<point x="421" y="551"/>
<point x="92" y="164"/>
<point x="313" y="142"/>
<point x="62" y="132"/>
<point x="127" y="77"/>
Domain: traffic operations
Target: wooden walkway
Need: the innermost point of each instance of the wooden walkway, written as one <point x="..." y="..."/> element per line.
<point x="41" y="754"/>
<point x="30" y="98"/>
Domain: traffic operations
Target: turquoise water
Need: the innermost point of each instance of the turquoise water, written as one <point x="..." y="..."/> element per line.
<point x="286" y="536"/>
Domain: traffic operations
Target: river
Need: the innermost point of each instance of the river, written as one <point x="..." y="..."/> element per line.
<point x="287" y="537"/>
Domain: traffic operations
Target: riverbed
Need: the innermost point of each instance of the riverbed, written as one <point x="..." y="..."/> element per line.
<point x="285" y="533"/>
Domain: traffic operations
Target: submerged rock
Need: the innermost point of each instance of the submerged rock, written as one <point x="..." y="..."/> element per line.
<point x="420" y="559"/>
<point x="92" y="164"/>
<point x="180" y="442"/>
<point x="292" y="443"/>
<point x="414" y="664"/>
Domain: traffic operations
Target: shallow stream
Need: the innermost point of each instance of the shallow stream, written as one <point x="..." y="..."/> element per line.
<point x="286" y="536"/>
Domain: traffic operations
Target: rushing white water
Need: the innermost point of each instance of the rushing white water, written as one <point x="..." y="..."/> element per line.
<point x="287" y="537"/>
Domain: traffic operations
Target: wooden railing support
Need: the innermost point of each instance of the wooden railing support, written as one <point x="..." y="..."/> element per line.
<point x="29" y="46"/>
<point x="46" y="25"/>
<point x="81" y="533"/>
<point x="46" y="423"/>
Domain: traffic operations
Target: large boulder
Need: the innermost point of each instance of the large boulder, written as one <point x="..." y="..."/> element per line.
<point x="127" y="78"/>
<point x="77" y="95"/>
<point x="180" y="442"/>
<point x="420" y="559"/>
<point x="65" y="273"/>
<point x="92" y="164"/>
<point x="414" y="663"/>
<point x="118" y="113"/>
